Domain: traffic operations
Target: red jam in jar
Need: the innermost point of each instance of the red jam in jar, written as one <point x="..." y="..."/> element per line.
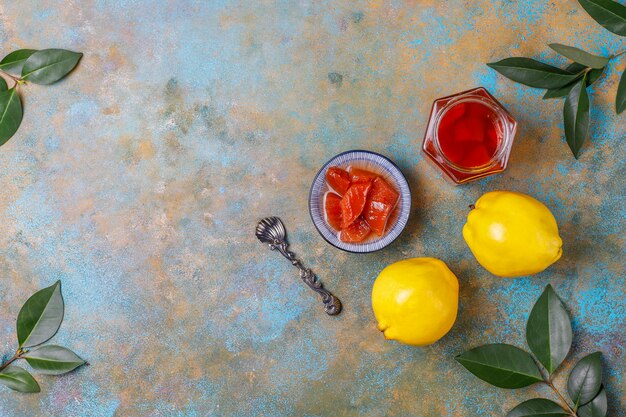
<point x="469" y="135"/>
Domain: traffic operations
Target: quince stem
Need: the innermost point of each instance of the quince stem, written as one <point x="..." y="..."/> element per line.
<point x="18" y="355"/>
<point x="548" y="381"/>
<point x="16" y="80"/>
<point x="556" y="391"/>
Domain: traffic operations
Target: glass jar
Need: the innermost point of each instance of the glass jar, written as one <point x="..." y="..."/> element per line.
<point x="469" y="135"/>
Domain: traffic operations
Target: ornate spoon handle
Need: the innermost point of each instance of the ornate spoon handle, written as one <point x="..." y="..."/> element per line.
<point x="332" y="305"/>
<point x="272" y="231"/>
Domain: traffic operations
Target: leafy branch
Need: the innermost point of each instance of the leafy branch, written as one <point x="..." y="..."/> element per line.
<point x="37" y="322"/>
<point x="549" y="337"/>
<point x="40" y="67"/>
<point x="573" y="81"/>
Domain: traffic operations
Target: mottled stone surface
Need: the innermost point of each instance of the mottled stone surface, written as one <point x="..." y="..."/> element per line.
<point x="138" y="180"/>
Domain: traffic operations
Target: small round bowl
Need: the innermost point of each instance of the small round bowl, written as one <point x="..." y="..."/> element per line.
<point x="378" y="164"/>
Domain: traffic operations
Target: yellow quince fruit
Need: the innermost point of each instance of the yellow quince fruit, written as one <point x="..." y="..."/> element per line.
<point x="512" y="234"/>
<point x="415" y="301"/>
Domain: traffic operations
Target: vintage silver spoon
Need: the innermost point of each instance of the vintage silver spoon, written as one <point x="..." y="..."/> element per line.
<point x="272" y="231"/>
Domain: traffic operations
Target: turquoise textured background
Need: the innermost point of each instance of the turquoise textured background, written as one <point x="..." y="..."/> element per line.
<point x="138" y="181"/>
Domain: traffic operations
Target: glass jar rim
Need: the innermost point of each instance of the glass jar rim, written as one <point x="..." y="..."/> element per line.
<point x="502" y="146"/>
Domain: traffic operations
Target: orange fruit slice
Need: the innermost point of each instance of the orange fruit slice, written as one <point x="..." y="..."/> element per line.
<point x="332" y="208"/>
<point x="353" y="202"/>
<point x="361" y="175"/>
<point x="356" y="232"/>
<point x="380" y="203"/>
<point x="338" y="179"/>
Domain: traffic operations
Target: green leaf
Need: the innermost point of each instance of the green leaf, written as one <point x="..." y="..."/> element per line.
<point x="585" y="379"/>
<point x="49" y="65"/>
<point x="3" y="84"/>
<point x="608" y="13"/>
<point x="574" y="68"/>
<point x="620" y="100"/>
<point x="502" y="365"/>
<point x="18" y="379"/>
<point x="592" y="76"/>
<point x="596" y="408"/>
<point x="533" y="73"/>
<point x="579" y="56"/>
<point x="538" y="407"/>
<point x="15" y="60"/>
<point x="549" y="331"/>
<point x="40" y="317"/>
<point x="576" y="116"/>
<point x="10" y="114"/>
<point x="53" y="360"/>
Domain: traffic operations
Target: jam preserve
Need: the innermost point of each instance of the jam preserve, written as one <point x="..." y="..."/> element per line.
<point x="469" y="135"/>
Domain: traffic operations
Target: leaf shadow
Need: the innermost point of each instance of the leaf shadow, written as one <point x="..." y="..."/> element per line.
<point x="613" y="400"/>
